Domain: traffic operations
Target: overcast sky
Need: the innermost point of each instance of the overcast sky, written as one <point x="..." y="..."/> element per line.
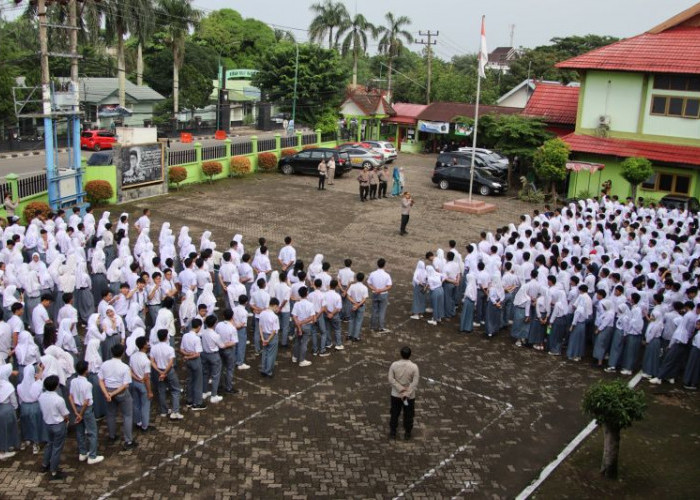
<point x="536" y="21"/>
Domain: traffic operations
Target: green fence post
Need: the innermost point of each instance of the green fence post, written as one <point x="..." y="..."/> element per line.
<point x="198" y="153"/>
<point x="299" y="141"/>
<point x="254" y="153"/>
<point x="227" y="143"/>
<point x="318" y="136"/>
<point x="14" y="188"/>
<point x="254" y="141"/>
<point x="278" y="144"/>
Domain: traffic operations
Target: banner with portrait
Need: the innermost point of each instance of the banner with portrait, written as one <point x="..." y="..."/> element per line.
<point x="141" y="165"/>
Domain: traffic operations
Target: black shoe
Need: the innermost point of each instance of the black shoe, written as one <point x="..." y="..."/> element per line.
<point x="407" y="436"/>
<point x="263" y="374"/>
<point x="57" y="476"/>
<point x="130" y="446"/>
<point x="112" y="439"/>
<point x="199" y="407"/>
<point x="392" y="435"/>
<point x="150" y="428"/>
<point x="231" y="391"/>
<point x="44" y="468"/>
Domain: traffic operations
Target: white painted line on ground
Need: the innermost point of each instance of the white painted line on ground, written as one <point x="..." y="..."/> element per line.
<point x="228" y="429"/>
<point x="547" y="471"/>
<point x="479" y="395"/>
<point x="469" y="486"/>
<point x="448" y="460"/>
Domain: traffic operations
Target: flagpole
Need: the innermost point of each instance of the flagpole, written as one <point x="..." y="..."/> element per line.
<point x="476" y="109"/>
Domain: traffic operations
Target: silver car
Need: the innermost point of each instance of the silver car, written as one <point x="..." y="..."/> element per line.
<point x="386" y="148"/>
<point x="361" y="157"/>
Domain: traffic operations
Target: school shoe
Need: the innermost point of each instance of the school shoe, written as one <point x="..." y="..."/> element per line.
<point x="429" y="310"/>
<point x="610" y="369"/>
<point x="304" y="363"/>
<point x="655" y="381"/>
<point x="215" y="399"/>
<point x="384" y="330"/>
<point x="243" y="367"/>
<point x="324" y="354"/>
<point x="199" y="407"/>
<point x="82" y="458"/>
<point x="176" y="416"/>
<point x="96" y="460"/>
<point x="206" y="395"/>
<point x="339" y="348"/>
<point x="625" y="372"/>
<point x="231" y="391"/>
<point x="130" y="445"/>
<point x="35" y="449"/>
<point x="432" y="322"/>
<point x="57" y="476"/>
<point x="646" y="375"/>
<point x="415" y="316"/>
<point x="518" y="343"/>
<point x="7" y="454"/>
<point x="294" y="360"/>
<point x="690" y="387"/>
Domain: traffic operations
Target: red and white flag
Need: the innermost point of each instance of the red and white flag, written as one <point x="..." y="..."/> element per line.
<point x="483" y="52"/>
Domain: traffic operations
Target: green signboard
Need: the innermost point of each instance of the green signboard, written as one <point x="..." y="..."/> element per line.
<point x="240" y="73"/>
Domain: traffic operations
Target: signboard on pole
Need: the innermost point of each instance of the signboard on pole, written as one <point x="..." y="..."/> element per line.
<point x="434" y="127"/>
<point x="463" y="129"/>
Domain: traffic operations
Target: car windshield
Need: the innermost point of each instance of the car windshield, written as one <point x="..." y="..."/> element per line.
<point x="484" y="174"/>
<point x="100" y="159"/>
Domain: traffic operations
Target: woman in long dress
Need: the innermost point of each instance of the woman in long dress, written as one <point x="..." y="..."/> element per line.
<point x="420" y="284"/>
<point x="466" y="323"/>
<point x="395" y="182"/>
<point x="31" y="422"/>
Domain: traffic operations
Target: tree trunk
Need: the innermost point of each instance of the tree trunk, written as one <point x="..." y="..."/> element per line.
<point x="388" y="85"/>
<point x="554" y="191"/>
<point x="139" y="64"/>
<point x="354" y="67"/>
<point x="611" y="450"/>
<point x="634" y="192"/>
<point x="121" y="69"/>
<point x="176" y="86"/>
<point x="330" y="38"/>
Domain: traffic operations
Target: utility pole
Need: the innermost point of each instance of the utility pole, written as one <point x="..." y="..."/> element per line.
<point x="429" y="43"/>
<point x="296" y="78"/>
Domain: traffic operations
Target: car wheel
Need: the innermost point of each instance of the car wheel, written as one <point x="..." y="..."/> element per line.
<point x="366" y="164"/>
<point x="444" y="184"/>
<point x="287" y="169"/>
<point x="484" y="191"/>
<point x="97" y="147"/>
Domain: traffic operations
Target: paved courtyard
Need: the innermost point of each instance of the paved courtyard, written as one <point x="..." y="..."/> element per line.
<point x="488" y="417"/>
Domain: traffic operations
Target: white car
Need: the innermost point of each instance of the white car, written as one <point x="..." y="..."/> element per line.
<point x="385" y="148"/>
<point x="488" y="154"/>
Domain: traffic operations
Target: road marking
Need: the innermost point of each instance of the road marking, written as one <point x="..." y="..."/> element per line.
<point x="477" y="394"/>
<point x="547" y="471"/>
<point x="448" y="460"/>
<point x="468" y="486"/>
<point x="228" y="429"/>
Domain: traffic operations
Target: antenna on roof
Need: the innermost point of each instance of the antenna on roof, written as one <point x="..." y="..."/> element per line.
<point x="512" y="34"/>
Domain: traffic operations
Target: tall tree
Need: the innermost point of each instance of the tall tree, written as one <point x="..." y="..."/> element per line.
<point x="392" y="39"/>
<point x="180" y="17"/>
<point x="118" y="22"/>
<point x="329" y="15"/>
<point x="142" y="28"/>
<point x="355" y="40"/>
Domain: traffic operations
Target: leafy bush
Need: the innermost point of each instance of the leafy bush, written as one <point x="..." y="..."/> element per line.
<point x="288" y="152"/>
<point x="34" y="209"/>
<point x="211" y="168"/>
<point x="635" y="171"/>
<point x="327" y="121"/>
<point x="240" y="165"/>
<point x="267" y="161"/>
<point x="531" y="196"/>
<point x="98" y="191"/>
<point x="176" y="175"/>
<point x="310" y="146"/>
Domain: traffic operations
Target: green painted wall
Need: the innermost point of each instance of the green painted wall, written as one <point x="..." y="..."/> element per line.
<point x="103" y="173"/>
<point x="668" y="126"/>
<point x="615" y="94"/>
<point x="579" y="181"/>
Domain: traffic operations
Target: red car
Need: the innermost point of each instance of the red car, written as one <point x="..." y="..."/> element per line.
<point x="97" y="139"/>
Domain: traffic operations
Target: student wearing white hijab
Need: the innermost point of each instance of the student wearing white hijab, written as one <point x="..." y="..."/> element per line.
<point x="31" y="423"/>
<point x="131" y="340"/>
<point x="9" y="432"/>
<point x="94" y="361"/>
<point x="207" y="298"/>
<point x="99" y="272"/>
<point x="26" y="352"/>
<point x="188" y="311"/>
<point x="496" y="296"/>
<point x="437" y="295"/>
<point x="466" y="323"/>
<point x="604" y="327"/>
<point x="316" y="267"/>
<point x="114" y="329"/>
<point x="420" y="286"/>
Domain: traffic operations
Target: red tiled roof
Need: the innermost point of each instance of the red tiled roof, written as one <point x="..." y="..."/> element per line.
<point x="676" y="50"/>
<point x="624" y="148"/>
<point x="369" y="103"/>
<point x="553" y="103"/>
<point x="447" y="111"/>
<point x="406" y="114"/>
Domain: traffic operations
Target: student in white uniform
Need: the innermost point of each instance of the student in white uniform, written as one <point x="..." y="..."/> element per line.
<point x="141" y="390"/>
<point x="191" y="351"/>
<point x="303" y="315"/>
<point x="269" y="327"/>
<point x="163" y="361"/>
<point x="229" y="335"/>
<point x="379" y="282"/>
<point x="85" y="424"/>
<point x="357" y="295"/>
<point x="55" y="414"/>
<point x="115" y="379"/>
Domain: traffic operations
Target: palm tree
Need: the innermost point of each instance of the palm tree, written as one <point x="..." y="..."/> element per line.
<point x="355" y="40"/>
<point x="180" y="17"/>
<point x="143" y="27"/>
<point x="329" y="15"/>
<point x="284" y="36"/>
<point x="391" y="41"/>
<point x="118" y="22"/>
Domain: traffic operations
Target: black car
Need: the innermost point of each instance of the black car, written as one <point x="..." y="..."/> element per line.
<point x="680" y="202"/>
<point x="101" y="158"/>
<point x="482" y="161"/>
<point x="457" y="177"/>
<point x="306" y="162"/>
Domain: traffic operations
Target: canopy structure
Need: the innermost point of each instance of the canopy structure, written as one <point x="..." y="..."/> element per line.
<point x="583" y="166"/>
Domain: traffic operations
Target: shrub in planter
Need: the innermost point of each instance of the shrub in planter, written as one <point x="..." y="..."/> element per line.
<point x="176" y="175"/>
<point x="288" y="152"/>
<point x="310" y="146"/>
<point x="34" y="209"/>
<point x="98" y="191"/>
<point x="240" y="165"/>
<point x="211" y="168"/>
<point x="267" y="161"/>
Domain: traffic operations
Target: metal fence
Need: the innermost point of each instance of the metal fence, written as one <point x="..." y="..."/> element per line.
<point x="29" y="186"/>
<point x="4" y="189"/>
<point x="182" y="156"/>
<point x="241" y="148"/>
<point x="266" y="145"/>
<point x="307" y="139"/>
<point x="289" y="142"/>
<point x="328" y="136"/>
<point x="212" y="152"/>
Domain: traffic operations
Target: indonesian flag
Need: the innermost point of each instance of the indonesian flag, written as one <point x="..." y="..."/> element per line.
<point x="483" y="52"/>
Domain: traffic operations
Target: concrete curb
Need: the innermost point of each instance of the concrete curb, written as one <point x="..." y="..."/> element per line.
<point x="34" y="152"/>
